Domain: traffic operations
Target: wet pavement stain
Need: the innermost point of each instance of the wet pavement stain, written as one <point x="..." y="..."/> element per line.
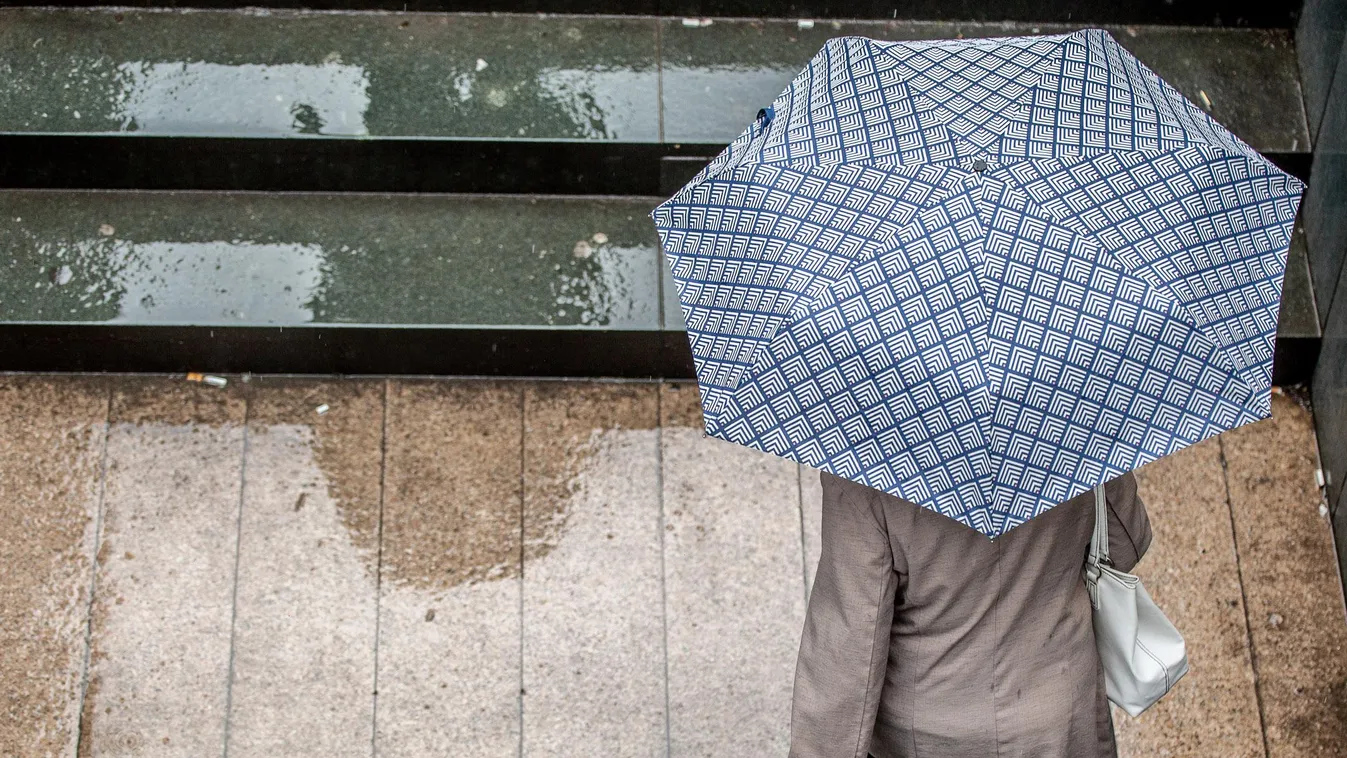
<point x="452" y="483"/>
<point x="345" y="440"/>
<point x="51" y="441"/>
<point x="569" y="430"/>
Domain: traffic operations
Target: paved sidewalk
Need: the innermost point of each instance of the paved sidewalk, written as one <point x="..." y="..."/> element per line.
<point x="497" y="568"/>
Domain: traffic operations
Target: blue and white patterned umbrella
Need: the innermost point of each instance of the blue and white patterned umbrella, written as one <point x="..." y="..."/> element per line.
<point x="982" y="275"/>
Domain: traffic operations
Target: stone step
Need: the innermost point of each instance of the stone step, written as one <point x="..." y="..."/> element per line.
<point x="357" y="283"/>
<point x="435" y="102"/>
<point x="1236" y="13"/>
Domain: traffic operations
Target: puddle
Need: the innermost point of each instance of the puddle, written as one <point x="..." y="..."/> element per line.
<point x="201" y="98"/>
<point x="601" y="103"/>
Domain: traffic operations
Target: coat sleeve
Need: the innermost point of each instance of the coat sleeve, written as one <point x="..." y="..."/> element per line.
<point x="844" y="649"/>
<point x="1129" y="528"/>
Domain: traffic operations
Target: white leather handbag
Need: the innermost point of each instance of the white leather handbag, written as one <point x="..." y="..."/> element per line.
<point x="1143" y="654"/>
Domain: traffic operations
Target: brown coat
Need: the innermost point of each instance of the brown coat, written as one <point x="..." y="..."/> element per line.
<point x="925" y="639"/>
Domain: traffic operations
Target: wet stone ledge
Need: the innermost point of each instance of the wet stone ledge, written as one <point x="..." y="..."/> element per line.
<point x="365" y="284"/>
<point x="435" y="102"/>
<point x="348" y="283"/>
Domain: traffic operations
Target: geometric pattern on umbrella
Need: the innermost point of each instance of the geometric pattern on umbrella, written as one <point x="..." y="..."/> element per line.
<point x="981" y="275"/>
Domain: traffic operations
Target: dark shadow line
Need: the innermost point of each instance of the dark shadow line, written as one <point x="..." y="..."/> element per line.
<point x="1244" y="600"/>
<point x="80" y="725"/>
<point x="234" y="597"/>
<point x="378" y="570"/>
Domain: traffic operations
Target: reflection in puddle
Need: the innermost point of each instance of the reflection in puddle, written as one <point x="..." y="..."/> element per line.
<point x="213" y="98"/>
<point x="603" y="103"/>
<point x="611" y="293"/>
<point x="213" y="282"/>
<point x="726" y="98"/>
<point x="191" y="283"/>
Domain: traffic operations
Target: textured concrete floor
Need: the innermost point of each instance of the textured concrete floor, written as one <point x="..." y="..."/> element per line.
<point x="495" y="568"/>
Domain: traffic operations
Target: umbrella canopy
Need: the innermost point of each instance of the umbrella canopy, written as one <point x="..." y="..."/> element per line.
<point x="982" y="275"/>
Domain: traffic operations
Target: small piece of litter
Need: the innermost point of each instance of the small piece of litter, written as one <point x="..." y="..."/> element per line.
<point x="430" y="615"/>
<point x="320" y="410"/>
<point x="107" y="230"/>
<point x="599" y="238"/>
<point x="1277" y="390"/>
<point x="697" y="22"/>
<point x="582" y="249"/>
<point x="1274" y="620"/>
<point x="1323" y="510"/>
<point x="299" y="501"/>
<point x="805" y="23"/>
<point x="211" y="379"/>
<point x="61" y="276"/>
<point x="1131" y="31"/>
<point x="1206" y="101"/>
<point x="1319" y="478"/>
<point x="481" y="64"/>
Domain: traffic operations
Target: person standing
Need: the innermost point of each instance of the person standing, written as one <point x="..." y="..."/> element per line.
<point x="925" y="639"/>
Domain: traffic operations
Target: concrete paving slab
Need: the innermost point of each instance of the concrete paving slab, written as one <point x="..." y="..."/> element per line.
<point x="304" y="630"/>
<point x="449" y="670"/>
<point x="51" y="450"/>
<point x="159" y="660"/>
<point x="1191" y="573"/>
<point x="811" y="513"/>
<point x="593" y="585"/>
<point x="1295" y="599"/>
<point x="733" y="582"/>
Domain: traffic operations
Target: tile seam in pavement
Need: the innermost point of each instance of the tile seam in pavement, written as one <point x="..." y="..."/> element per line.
<point x="523" y="436"/>
<point x="93" y="573"/>
<point x="1244" y="600"/>
<point x="234" y="593"/>
<point x="378" y="570"/>
<point x="804" y="550"/>
<point x="663" y="571"/>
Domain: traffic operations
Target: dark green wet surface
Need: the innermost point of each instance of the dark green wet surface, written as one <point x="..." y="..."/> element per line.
<point x="715" y="78"/>
<point x="292" y="73"/>
<point x="515" y="76"/>
<point x="673" y="312"/>
<point x="244" y="258"/>
<point x="1298" y="317"/>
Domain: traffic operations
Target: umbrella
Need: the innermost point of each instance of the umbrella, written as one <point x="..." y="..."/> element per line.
<point x="981" y="275"/>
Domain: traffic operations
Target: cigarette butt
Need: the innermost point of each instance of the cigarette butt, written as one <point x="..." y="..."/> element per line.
<point x="211" y="379"/>
<point x="320" y="410"/>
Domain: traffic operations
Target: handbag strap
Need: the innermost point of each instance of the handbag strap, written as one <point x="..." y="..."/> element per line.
<point x="1098" y="546"/>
